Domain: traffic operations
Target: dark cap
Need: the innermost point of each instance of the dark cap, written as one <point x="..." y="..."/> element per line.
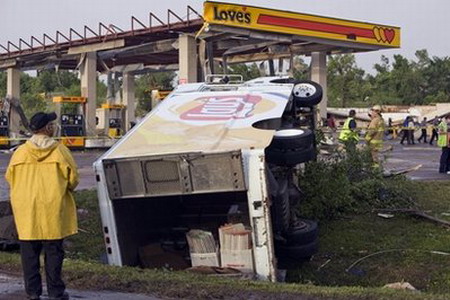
<point x="40" y="119"/>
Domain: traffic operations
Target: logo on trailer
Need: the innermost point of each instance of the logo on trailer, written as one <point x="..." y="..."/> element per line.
<point x="232" y="15"/>
<point x="222" y="108"/>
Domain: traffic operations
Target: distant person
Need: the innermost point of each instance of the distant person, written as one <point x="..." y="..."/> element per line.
<point x="375" y="133"/>
<point x="390" y="130"/>
<point x="411" y="129"/>
<point x="423" y="129"/>
<point x="42" y="176"/>
<point x="443" y="143"/>
<point x="434" y="131"/>
<point x="405" y="131"/>
<point x="331" y="122"/>
<point x="349" y="135"/>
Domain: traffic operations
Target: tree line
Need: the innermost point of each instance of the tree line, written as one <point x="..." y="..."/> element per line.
<point x="396" y="81"/>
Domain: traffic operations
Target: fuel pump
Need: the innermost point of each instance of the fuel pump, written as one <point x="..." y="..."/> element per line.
<point x="71" y="111"/>
<point x="115" y="118"/>
<point x="4" y="130"/>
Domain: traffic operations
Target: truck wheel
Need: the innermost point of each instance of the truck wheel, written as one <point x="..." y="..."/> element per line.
<point x="292" y="139"/>
<point x="290" y="157"/>
<point x="296" y="252"/>
<point x="307" y="93"/>
<point x="304" y="232"/>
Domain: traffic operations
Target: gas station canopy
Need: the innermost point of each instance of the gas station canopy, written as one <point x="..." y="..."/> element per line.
<point x="236" y="33"/>
<point x="255" y="33"/>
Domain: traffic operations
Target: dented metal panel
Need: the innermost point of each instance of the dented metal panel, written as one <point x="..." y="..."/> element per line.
<point x="174" y="174"/>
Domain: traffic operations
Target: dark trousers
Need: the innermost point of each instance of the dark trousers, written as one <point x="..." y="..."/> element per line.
<point x="53" y="259"/>
<point x="406" y="136"/>
<point x="444" y="162"/>
<point x="434" y="136"/>
<point x="423" y="136"/>
<point x="411" y="135"/>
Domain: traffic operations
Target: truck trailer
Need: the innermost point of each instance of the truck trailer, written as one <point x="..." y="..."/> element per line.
<point x="206" y="148"/>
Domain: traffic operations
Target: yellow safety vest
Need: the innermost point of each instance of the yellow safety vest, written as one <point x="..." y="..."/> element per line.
<point x="442" y="140"/>
<point x="348" y="134"/>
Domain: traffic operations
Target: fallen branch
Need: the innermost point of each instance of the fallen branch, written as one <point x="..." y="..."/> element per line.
<point x="415" y="212"/>
<point x="395" y="250"/>
<point x="392" y="173"/>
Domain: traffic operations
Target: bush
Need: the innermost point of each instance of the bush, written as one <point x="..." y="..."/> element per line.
<point x="346" y="184"/>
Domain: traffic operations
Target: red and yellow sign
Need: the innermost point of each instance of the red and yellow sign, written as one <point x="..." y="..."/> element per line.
<point x="301" y="24"/>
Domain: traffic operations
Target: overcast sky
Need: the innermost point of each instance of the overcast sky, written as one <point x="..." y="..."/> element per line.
<point x="424" y="23"/>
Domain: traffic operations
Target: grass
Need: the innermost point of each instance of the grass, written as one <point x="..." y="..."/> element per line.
<point x="346" y="240"/>
<point x="88" y="243"/>
<point x="343" y="241"/>
<point x="95" y="276"/>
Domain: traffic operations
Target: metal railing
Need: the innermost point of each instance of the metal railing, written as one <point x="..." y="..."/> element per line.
<point x="104" y="33"/>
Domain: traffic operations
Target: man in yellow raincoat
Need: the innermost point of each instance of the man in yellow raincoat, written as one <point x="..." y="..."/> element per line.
<point x="375" y="132"/>
<point x="42" y="175"/>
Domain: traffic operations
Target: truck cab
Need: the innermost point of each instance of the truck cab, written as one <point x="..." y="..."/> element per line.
<point x="206" y="148"/>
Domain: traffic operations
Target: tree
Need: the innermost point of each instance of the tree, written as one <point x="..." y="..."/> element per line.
<point x="247" y="71"/>
<point x="345" y="80"/>
<point x="2" y="84"/>
<point x="148" y="82"/>
<point x="301" y="69"/>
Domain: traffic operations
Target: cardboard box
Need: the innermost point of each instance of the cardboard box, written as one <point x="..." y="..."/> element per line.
<point x="205" y="259"/>
<point x="238" y="259"/>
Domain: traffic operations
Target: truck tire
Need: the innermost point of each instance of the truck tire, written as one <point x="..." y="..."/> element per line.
<point x="307" y="93"/>
<point x="305" y="232"/>
<point x="296" y="252"/>
<point x="290" y="157"/>
<point x="292" y="139"/>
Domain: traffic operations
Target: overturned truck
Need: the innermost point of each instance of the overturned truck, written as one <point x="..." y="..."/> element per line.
<point x="206" y="148"/>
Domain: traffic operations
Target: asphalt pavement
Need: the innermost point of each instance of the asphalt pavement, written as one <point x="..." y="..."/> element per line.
<point x="12" y="288"/>
<point x="408" y="156"/>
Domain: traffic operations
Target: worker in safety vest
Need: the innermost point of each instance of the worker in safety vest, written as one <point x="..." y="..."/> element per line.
<point x="375" y="132"/>
<point x="349" y="135"/>
<point x="443" y="143"/>
<point x="42" y="175"/>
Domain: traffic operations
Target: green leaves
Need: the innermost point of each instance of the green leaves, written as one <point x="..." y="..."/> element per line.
<point x="349" y="184"/>
<point x="399" y="81"/>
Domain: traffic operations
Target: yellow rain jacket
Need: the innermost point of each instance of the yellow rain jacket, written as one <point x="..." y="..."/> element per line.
<point x="42" y="175"/>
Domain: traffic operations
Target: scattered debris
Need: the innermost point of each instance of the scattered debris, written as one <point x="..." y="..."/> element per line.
<point x="417" y="213"/>
<point x="211" y="270"/>
<point x="391" y="173"/>
<point x="350" y="268"/>
<point x="385" y="216"/>
<point x="83" y="230"/>
<point x="82" y="212"/>
<point x="323" y="265"/>
<point x="400" y="286"/>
